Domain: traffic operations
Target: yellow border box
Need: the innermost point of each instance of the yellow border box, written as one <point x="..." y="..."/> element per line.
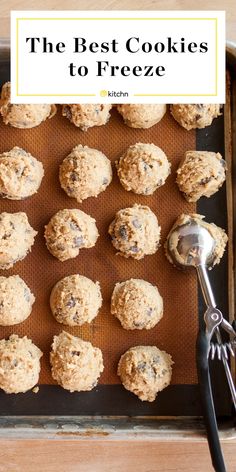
<point x="136" y="94"/>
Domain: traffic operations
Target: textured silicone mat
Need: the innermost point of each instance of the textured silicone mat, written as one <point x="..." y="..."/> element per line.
<point x="176" y="332"/>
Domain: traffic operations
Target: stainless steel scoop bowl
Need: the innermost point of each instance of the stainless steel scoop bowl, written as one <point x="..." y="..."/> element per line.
<point x="195" y="245"/>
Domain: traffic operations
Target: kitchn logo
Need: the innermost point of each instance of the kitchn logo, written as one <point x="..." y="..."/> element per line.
<point x="113" y="93"/>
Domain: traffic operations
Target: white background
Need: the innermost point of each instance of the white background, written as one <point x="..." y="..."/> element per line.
<point x="186" y="74"/>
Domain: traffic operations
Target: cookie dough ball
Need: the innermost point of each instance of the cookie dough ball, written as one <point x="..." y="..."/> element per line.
<point x="75" y="300"/>
<point x="135" y="232"/>
<point x="23" y="116"/>
<point x="20" y="174"/>
<point x="88" y="115"/>
<point x="16" y="238"/>
<point x="68" y="231"/>
<point x="76" y="364"/>
<point x="137" y="304"/>
<point x="195" y="116"/>
<point x="217" y="233"/>
<point x="16" y="300"/>
<point x="86" y="172"/>
<point x="19" y="364"/>
<point x="145" y="371"/>
<point x="201" y="174"/>
<point x="143" y="168"/>
<point x="141" y="116"/>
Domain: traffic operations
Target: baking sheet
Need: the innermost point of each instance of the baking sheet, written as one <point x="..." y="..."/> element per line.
<point x="50" y="143"/>
<point x="176" y="332"/>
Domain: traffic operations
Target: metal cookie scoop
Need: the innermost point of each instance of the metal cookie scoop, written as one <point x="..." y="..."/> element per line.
<point x="195" y="248"/>
<point x="192" y="245"/>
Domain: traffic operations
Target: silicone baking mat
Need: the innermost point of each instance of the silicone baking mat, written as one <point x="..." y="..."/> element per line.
<point x="176" y="332"/>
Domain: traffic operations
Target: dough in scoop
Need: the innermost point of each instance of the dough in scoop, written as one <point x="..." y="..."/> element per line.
<point x="217" y="233"/>
<point x="76" y="364"/>
<point x="145" y="371"/>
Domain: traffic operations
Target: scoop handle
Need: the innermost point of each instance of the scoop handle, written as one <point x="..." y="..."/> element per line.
<point x="207" y="402"/>
<point x="206" y="286"/>
<point x="210" y="302"/>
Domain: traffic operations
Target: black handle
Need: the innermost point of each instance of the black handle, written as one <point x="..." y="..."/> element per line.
<point x="207" y="402"/>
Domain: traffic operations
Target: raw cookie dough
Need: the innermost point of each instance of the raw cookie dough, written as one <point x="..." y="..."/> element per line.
<point x="88" y="115"/>
<point x="85" y="173"/>
<point x="75" y="300"/>
<point x="195" y="116"/>
<point x="145" y="371"/>
<point x="23" y="116"/>
<point x="68" y="231"/>
<point x="216" y="232"/>
<point x="201" y="174"/>
<point x="137" y="304"/>
<point x="16" y="300"/>
<point x="16" y="238"/>
<point x="141" y="116"/>
<point x="19" y="364"/>
<point x="135" y="232"/>
<point x="20" y="174"/>
<point x="76" y="364"/>
<point x="143" y="168"/>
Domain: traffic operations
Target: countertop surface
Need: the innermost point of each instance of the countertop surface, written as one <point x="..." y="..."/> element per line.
<point x="96" y="455"/>
<point x="90" y="454"/>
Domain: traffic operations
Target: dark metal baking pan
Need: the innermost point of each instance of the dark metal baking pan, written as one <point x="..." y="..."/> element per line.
<point x="178" y="400"/>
